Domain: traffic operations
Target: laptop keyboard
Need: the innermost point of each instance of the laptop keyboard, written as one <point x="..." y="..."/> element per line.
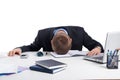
<point x="99" y="57"/>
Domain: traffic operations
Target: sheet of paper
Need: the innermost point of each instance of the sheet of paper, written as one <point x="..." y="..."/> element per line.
<point x="59" y="56"/>
<point x="71" y="53"/>
<point x="21" y="68"/>
<point x="77" y="53"/>
<point x="8" y="68"/>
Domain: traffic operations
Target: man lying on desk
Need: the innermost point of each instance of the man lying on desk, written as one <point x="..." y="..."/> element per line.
<point x="61" y="40"/>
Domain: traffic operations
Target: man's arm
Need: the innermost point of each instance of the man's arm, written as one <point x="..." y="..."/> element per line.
<point x="92" y="45"/>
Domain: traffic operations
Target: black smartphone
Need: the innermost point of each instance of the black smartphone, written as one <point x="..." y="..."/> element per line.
<point x="23" y="56"/>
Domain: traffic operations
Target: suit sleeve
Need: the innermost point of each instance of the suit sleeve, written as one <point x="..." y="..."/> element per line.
<point x="35" y="46"/>
<point x="90" y="43"/>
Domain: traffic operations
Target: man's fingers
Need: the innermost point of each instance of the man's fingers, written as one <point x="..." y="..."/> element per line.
<point x="12" y="53"/>
<point x="9" y="53"/>
<point x="15" y="51"/>
<point x="95" y="51"/>
<point x="91" y="53"/>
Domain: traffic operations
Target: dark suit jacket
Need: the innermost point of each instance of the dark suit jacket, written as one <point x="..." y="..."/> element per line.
<point x="79" y="39"/>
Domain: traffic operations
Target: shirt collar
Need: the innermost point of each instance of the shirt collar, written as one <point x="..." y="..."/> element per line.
<point x="56" y="30"/>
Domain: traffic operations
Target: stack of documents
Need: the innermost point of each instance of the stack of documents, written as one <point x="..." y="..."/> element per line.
<point x="71" y="53"/>
<point x="48" y="66"/>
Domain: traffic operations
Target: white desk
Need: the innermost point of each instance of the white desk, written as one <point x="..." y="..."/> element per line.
<point x="76" y="69"/>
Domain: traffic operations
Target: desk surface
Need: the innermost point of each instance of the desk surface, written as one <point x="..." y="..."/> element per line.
<point x="77" y="68"/>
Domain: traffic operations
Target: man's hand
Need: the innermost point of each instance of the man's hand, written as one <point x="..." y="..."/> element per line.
<point x="94" y="51"/>
<point x="118" y="49"/>
<point x="15" y="51"/>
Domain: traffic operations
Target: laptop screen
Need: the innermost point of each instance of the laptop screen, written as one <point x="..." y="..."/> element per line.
<point x="112" y="43"/>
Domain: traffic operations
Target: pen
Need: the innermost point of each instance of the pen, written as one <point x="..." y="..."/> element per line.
<point x="114" y="53"/>
<point x="108" y="52"/>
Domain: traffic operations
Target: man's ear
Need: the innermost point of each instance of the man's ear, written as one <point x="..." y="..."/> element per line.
<point x="70" y="39"/>
<point x="51" y="42"/>
<point x="52" y="45"/>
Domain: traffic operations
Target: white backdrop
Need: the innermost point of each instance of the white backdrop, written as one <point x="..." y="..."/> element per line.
<point x="20" y="20"/>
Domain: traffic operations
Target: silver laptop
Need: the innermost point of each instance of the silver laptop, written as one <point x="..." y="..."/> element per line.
<point x="112" y="42"/>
